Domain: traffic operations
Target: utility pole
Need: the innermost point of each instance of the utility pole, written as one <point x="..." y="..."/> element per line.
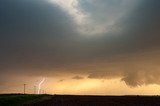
<point x="24" y="88"/>
<point x="34" y="89"/>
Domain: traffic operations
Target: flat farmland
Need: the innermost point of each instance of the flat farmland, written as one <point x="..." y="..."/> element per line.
<point x="70" y="100"/>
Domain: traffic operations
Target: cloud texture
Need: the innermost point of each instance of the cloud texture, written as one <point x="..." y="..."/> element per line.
<point x="41" y="38"/>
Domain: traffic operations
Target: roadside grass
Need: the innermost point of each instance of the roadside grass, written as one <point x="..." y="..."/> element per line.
<point x="17" y="99"/>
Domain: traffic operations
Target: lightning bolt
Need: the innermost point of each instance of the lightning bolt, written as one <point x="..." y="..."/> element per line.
<point x="39" y="85"/>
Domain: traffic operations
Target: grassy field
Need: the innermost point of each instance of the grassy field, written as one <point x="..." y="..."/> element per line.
<point x="17" y="99"/>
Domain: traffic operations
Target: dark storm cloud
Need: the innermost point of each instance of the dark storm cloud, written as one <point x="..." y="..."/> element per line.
<point x="31" y="32"/>
<point x="141" y="25"/>
<point x="61" y="80"/>
<point x="37" y="36"/>
<point x="137" y="31"/>
<point x="77" y="77"/>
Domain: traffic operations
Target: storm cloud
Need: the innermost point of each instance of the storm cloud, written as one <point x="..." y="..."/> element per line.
<point x="120" y="40"/>
<point x="77" y="77"/>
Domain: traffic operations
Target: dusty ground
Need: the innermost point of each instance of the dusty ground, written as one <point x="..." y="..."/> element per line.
<point x="61" y="100"/>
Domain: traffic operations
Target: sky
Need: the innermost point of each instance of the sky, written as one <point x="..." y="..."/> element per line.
<point x="83" y="47"/>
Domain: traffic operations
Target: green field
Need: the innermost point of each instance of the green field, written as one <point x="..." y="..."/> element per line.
<point x="17" y="99"/>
